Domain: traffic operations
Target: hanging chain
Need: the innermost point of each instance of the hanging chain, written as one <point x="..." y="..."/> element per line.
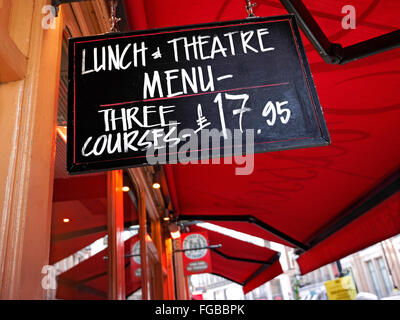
<point x="114" y="20"/>
<point x="249" y="8"/>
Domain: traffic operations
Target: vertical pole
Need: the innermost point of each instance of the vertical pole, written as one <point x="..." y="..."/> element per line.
<point x="156" y="231"/>
<point x="180" y="284"/>
<point x="169" y="255"/>
<point x="116" y="254"/>
<point x="143" y="245"/>
<point x="187" y="287"/>
<point x="339" y="266"/>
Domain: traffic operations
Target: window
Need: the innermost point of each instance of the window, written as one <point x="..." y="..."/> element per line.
<point x="325" y="273"/>
<point x="318" y="275"/>
<point x="385" y="275"/>
<point x="291" y="262"/>
<point x="276" y="289"/>
<point x="374" y="278"/>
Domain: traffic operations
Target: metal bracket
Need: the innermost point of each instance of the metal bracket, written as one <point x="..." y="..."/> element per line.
<point x="334" y="53"/>
<point x="213" y="246"/>
<point x="249" y="8"/>
<point x="249" y="219"/>
<point x="126" y="256"/>
<point x="261" y="269"/>
<point x="379" y="194"/>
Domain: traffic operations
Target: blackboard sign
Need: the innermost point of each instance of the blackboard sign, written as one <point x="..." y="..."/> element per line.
<point x="158" y="91"/>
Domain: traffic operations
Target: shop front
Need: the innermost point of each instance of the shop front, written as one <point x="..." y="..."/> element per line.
<point x="334" y="193"/>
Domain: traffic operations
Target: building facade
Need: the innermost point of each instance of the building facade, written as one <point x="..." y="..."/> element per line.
<point x="374" y="270"/>
<point x="49" y="219"/>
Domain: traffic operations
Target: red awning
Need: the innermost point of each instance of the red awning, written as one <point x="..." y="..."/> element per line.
<point x="88" y="279"/>
<point x="301" y="195"/>
<point x="380" y="223"/>
<point x="242" y="262"/>
<point x="83" y="201"/>
<point x="253" y="230"/>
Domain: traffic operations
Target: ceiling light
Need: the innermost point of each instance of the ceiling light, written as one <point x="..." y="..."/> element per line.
<point x="156" y="185"/>
<point x="66" y="220"/>
<point x="156" y="178"/>
<point x="125" y="189"/>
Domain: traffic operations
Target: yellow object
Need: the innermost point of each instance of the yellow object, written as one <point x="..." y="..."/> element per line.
<point x="341" y="289"/>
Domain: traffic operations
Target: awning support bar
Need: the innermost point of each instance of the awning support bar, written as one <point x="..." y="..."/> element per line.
<point x="379" y="194"/>
<point x="386" y="189"/>
<point x="249" y="219"/>
<point x="262" y="268"/>
<point x="334" y="53"/>
<point x="267" y="263"/>
<point x="213" y="246"/>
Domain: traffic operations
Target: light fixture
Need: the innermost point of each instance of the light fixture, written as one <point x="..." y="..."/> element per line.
<point x="125" y="189"/>
<point x="174" y="231"/>
<point x="166" y="217"/>
<point x="66" y="220"/>
<point x="156" y="185"/>
<point x="175" y="235"/>
<point x="156" y="178"/>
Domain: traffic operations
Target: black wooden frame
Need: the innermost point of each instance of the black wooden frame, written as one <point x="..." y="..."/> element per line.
<point x="322" y="139"/>
<point x="334" y="53"/>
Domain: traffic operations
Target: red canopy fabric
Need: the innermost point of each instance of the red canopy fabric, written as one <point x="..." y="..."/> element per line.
<point x="251" y="229"/>
<point x="64" y="248"/>
<point x="83" y="201"/>
<point x="299" y="192"/>
<point x="242" y="262"/>
<point x="380" y="223"/>
<point x="88" y="279"/>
